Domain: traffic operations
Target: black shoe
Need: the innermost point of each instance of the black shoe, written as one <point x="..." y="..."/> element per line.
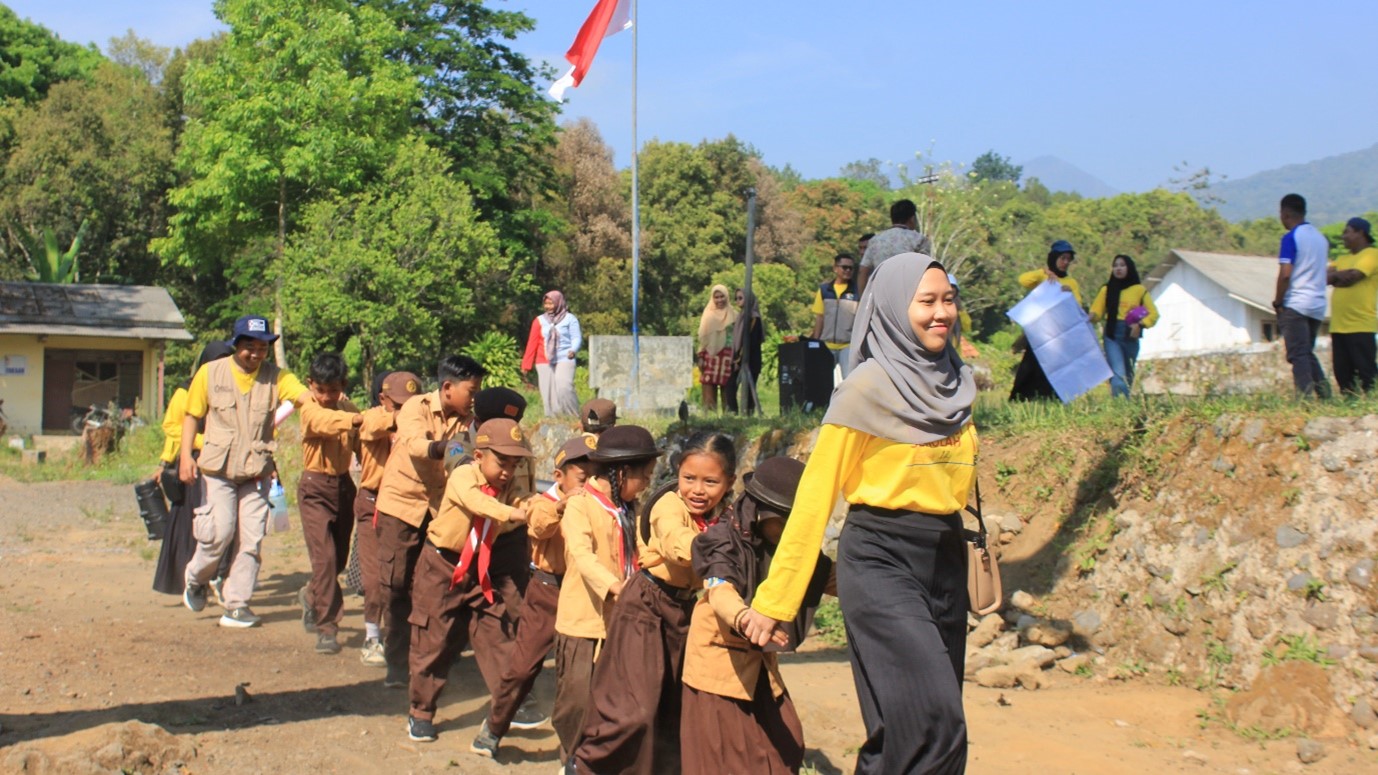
<point x="326" y="644"/>
<point x="194" y="597"/>
<point x="528" y="716"/>
<point x="239" y="618"/>
<point x="308" y="614"/>
<point x="420" y="730"/>
<point x="486" y="744"/>
<point x="397" y="678"/>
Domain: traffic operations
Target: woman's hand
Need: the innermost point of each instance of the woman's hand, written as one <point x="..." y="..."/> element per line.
<point x="761" y="629"/>
<point x="1135" y="331"/>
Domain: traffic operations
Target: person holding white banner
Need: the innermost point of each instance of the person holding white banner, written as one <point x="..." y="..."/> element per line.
<point x="1030" y="382"/>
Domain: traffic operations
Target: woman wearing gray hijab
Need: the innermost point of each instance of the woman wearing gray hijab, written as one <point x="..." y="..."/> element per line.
<point x="898" y="444"/>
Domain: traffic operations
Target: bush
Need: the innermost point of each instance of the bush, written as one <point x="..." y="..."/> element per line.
<point x="498" y="353"/>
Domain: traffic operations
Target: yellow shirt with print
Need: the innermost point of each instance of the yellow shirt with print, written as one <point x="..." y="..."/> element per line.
<point x="1033" y="277"/>
<point x="1352" y="308"/>
<point x="933" y="478"/>
<point x="1131" y="297"/>
<point x="817" y="309"/>
<point x="198" y="395"/>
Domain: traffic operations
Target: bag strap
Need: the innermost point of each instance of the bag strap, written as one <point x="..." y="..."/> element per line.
<point x="979" y="538"/>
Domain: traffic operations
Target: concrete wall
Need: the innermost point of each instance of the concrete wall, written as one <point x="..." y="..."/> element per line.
<point x="1257" y="368"/>
<point x="23" y="393"/>
<point x="1197" y="315"/>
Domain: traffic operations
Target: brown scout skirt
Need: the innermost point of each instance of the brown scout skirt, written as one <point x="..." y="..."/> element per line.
<point x="735" y="737"/>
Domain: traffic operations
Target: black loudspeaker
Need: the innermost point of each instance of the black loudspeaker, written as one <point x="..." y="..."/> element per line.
<point x="152" y="508"/>
<point x="806" y="375"/>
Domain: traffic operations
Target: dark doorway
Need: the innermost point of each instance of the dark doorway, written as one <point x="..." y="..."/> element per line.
<point x="76" y="379"/>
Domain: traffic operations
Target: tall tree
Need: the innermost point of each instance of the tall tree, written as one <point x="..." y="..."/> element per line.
<point x="991" y="166"/>
<point x="32" y="58"/>
<point x="301" y="104"/>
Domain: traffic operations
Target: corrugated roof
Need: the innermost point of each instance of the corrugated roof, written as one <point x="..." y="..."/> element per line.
<point x="123" y="311"/>
<point x="1250" y="279"/>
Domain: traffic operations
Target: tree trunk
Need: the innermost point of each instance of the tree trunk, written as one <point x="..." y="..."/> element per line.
<point x="279" y="347"/>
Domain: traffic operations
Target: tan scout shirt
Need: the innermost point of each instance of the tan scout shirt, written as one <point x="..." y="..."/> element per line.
<point x="593" y="546"/>
<point x="543" y="528"/>
<point x="716" y="658"/>
<point x="413" y="484"/>
<point x="465" y="500"/>
<point x="667" y="554"/>
<point x="328" y="439"/>
<point x="375" y="442"/>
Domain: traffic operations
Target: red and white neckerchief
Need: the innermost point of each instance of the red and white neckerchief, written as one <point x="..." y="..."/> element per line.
<point x="553" y="493"/>
<point x="627" y="567"/>
<point x="481" y="536"/>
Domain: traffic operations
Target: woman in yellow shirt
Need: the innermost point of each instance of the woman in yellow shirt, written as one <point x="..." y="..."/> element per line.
<point x="898" y="444"/>
<point x="1029" y="380"/>
<point x="1125" y="305"/>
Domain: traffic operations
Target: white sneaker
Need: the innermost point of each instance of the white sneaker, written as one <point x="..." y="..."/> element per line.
<point x="217" y="586"/>
<point x="372" y="653"/>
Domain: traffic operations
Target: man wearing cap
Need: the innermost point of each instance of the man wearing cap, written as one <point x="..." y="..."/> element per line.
<point x="597" y="415"/>
<point x="902" y="237"/>
<point x="834" y="310"/>
<point x="454" y="597"/>
<point x="1353" y="318"/>
<point x="236" y="398"/>
<point x="375" y="445"/>
<point x="1299" y="301"/>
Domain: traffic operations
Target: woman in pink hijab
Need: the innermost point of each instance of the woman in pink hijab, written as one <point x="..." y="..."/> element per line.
<point x="554" y="340"/>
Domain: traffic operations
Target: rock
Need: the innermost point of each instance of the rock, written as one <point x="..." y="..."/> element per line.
<point x="1293" y="696"/>
<point x="1336" y="651"/>
<point x="1333" y="463"/>
<point x="976" y="662"/>
<point x="1252" y="432"/>
<point x="1194" y="757"/>
<point x="1322" y="616"/>
<point x="1288" y="537"/>
<point x="1297" y="582"/>
<point x="1360" y="574"/>
<point x="1127" y="519"/>
<point x="1085" y="623"/>
<point x="1177" y="625"/>
<point x="986" y="632"/>
<point x="1369" y="652"/>
<point x="1159" y="571"/>
<point x="1025" y="621"/>
<point x="1074" y="663"/>
<point x="1043" y="657"/>
<point x="1011" y="523"/>
<point x="1363" y="715"/>
<point x="1310" y="751"/>
<point x="1023" y="600"/>
<point x="1373" y="743"/>
<point x="1222" y="465"/>
<point x="1323" y="429"/>
<point x="1009" y="676"/>
<point x="1050" y="634"/>
<point x="1062" y="652"/>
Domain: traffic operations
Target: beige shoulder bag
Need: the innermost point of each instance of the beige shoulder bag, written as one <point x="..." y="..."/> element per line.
<point x="984" y="594"/>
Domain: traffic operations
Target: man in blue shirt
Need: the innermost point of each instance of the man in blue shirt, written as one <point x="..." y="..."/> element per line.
<point x="1300" y="297"/>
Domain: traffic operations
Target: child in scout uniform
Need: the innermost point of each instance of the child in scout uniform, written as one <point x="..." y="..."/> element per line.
<point x="600" y="554"/>
<point x="410" y="493"/>
<point x="736" y="708"/>
<point x="597" y="415"/>
<point x="375" y="444"/>
<point x="236" y="397"/>
<point x="325" y="497"/>
<point x="536" y="635"/>
<point x="453" y="590"/>
<point x="633" y="719"/>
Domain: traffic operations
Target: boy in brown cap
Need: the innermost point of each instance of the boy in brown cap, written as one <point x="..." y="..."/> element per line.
<point x="453" y="598"/>
<point x="391" y="391"/>
<point x="597" y="415"/>
<point x="536" y="636"/>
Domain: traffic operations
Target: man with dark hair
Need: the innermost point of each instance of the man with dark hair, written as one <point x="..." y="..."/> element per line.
<point x="1353" y="320"/>
<point x="834" y="309"/>
<point x="902" y="237"/>
<point x="1300" y="297"/>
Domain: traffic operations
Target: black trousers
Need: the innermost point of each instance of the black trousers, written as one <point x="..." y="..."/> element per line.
<point x="901" y="580"/>
<point x="1354" y="359"/>
<point x="1030" y="383"/>
<point x="1299" y="342"/>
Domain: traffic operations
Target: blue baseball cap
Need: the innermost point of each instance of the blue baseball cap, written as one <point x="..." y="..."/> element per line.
<point x="253" y="327"/>
<point x="1361" y="224"/>
<point x="1062" y="246"/>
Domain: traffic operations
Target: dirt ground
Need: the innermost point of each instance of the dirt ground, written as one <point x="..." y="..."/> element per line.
<point x="86" y="645"/>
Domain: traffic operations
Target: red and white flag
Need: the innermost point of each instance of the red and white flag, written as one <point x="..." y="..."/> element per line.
<point x="609" y="17"/>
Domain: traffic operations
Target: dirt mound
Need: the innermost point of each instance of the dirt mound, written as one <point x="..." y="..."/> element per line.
<point x="1287" y="698"/>
<point x="129" y="747"/>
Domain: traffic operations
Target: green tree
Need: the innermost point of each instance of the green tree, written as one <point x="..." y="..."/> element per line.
<point x="300" y="105"/>
<point x="869" y="171"/>
<point x="405" y="268"/>
<point x="991" y="166"/>
<point x="32" y="58"/>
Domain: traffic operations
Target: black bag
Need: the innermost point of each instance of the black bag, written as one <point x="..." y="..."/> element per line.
<point x="152" y="508"/>
<point x="173" y="486"/>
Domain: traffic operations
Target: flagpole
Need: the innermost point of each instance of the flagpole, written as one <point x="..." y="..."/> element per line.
<point x="636" y="230"/>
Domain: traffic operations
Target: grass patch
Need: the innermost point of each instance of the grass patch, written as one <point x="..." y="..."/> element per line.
<point x="135" y="459"/>
<point x="1296" y="648"/>
<point x="828" y="621"/>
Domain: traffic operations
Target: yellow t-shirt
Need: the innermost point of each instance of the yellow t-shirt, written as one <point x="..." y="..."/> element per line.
<point x="198" y="397"/>
<point x="1352" y="309"/>
<point x="817" y="309"/>
<point x="1131" y="297"/>
<point x="933" y="478"/>
<point x="172" y="427"/>
<point x="1033" y="277"/>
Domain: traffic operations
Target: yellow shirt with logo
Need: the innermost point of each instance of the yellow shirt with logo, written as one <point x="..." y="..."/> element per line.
<point x="1352" y="308"/>
<point x="933" y="478"/>
<point x="1033" y="277"/>
<point x="1131" y="297"/>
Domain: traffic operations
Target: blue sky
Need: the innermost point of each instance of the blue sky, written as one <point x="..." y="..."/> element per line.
<point x="1123" y="90"/>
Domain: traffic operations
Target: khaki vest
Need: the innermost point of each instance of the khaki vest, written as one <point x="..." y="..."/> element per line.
<point x="239" y="427"/>
<point x="838" y="314"/>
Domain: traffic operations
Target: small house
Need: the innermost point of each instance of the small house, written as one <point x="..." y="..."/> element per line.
<point x="64" y="348"/>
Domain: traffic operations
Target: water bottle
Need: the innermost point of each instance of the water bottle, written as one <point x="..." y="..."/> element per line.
<point x="277" y="499"/>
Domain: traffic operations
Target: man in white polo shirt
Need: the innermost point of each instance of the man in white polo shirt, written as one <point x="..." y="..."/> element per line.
<point x="1300" y="298"/>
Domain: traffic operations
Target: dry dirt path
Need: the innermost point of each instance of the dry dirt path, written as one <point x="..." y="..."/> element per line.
<point x="85" y="645"/>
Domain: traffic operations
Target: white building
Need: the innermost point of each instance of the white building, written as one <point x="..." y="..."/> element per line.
<point x="1211" y="302"/>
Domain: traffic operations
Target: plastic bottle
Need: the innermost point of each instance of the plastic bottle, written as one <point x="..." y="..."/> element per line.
<point x="277" y="498"/>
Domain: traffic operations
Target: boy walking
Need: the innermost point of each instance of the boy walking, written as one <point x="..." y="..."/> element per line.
<point x="236" y="398"/>
<point x="325" y="497"/>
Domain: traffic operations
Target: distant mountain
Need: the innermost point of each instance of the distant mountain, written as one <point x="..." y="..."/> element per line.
<point x="1336" y="188"/>
<point x="1059" y="175"/>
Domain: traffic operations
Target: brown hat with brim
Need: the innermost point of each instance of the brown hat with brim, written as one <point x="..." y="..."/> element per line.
<point x="502" y="436"/>
<point x="624" y="444"/>
<point x="401" y="386"/>
<point x="598" y="415"/>
<point x="774" y="483"/>
<point x="572" y="451"/>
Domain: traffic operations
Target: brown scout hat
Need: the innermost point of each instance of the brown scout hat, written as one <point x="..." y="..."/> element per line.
<point x="494" y="402"/>
<point x="401" y="385"/>
<point x="774" y="483"/>
<point x="572" y="451"/>
<point x="502" y="436"/>
<point x="597" y="415"/>
<point x="624" y="444"/>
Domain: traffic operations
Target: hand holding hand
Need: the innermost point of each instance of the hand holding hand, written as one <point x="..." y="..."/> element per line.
<point x="615" y="591"/>
<point x="761" y="629"/>
<point x="518" y="516"/>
